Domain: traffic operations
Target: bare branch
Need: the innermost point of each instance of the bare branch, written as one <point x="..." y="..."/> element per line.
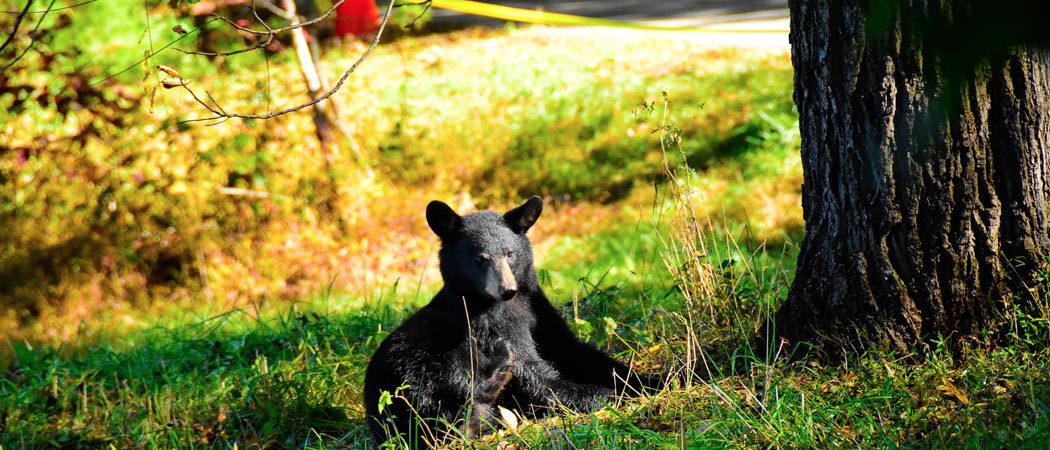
<point x="318" y="19"/>
<point x="18" y="22"/>
<point x="270" y="33"/>
<point x="426" y="7"/>
<point x="223" y="115"/>
<point x="52" y="10"/>
<point x="32" y="35"/>
<point x="258" y="44"/>
<point x="152" y="54"/>
<point x="274" y="9"/>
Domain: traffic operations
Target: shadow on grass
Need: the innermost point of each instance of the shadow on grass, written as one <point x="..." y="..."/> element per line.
<point x="288" y="382"/>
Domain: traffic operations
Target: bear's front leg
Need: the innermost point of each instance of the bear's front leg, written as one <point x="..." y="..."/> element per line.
<point x="495" y="369"/>
<point x="578" y="397"/>
<point x="496" y="366"/>
<point x="538" y="385"/>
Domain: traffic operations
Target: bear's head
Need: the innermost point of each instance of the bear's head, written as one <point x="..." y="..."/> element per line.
<point x="486" y="255"/>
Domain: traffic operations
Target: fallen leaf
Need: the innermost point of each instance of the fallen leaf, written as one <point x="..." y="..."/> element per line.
<point x="509" y="417"/>
<point x="951" y="391"/>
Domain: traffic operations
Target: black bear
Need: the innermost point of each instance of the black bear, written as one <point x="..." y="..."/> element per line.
<point x="489" y="338"/>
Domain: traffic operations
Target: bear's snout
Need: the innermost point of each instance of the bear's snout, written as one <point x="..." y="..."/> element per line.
<point x="508" y="293"/>
<point x="508" y="286"/>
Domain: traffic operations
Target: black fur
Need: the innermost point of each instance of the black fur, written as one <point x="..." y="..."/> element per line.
<point x="486" y="339"/>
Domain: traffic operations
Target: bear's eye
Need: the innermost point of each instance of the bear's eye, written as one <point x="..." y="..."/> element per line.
<point x="508" y="253"/>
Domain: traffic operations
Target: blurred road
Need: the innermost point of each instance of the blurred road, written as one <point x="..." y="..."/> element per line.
<point x="668" y="12"/>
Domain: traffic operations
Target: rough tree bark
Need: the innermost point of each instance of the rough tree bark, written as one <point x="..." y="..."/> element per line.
<point x="926" y="156"/>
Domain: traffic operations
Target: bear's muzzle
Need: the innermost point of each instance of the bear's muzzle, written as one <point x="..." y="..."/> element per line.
<point x="508" y="286"/>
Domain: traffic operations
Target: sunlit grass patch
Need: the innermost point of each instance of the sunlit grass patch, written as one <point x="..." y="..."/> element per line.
<point x="564" y="121"/>
<point x="235" y="377"/>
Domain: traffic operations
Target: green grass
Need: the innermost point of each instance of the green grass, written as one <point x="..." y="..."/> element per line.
<point x="225" y="379"/>
<point x="294" y="380"/>
<point x="180" y="317"/>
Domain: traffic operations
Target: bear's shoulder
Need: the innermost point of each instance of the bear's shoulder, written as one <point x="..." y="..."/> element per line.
<point x="431" y="326"/>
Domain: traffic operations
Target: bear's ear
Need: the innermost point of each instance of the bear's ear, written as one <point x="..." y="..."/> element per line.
<point x="520" y="219"/>
<point x="443" y="220"/>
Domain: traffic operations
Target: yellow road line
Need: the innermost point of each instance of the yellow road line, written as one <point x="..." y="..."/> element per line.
<point x="552" y="18"/>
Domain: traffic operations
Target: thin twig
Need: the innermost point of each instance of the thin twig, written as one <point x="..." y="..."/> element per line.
<point x="32" y="35"/>
<point x="283" y="29"/>
<point x="152" y="54"/>
<point x="241" y="192"/>
<point x="258" y="43"/>
<point x="339" y="84"/>
<point x="269" y="6"/>
<point x="52" y="10"/>
<point x="426" y="7"/>
<point x="18" y="22"/>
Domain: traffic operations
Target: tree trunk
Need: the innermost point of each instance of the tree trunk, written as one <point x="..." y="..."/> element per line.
<point x="926" y="157"/>
<point x="323" y="113"/>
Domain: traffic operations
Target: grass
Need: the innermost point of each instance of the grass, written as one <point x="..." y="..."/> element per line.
<point x="181" y="317"/>
<point x="279" y="379"/>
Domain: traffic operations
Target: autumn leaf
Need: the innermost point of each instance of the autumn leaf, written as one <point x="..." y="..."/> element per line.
<point x="950" y="391"/>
